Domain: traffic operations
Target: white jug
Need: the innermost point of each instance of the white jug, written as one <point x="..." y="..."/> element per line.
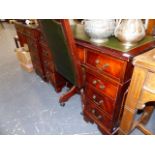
<point x="129" y="31"/>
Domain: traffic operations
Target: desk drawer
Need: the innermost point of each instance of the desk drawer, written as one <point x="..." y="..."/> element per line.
<point x="149" y="84"/>
<point x="32" y="46"/>
<point x="46" y="53"/>
<point x="98" y="117"/>
<point x="104" y="86"/>
<point x="35" y="57"/>
<point x="102" y="102"/>
<point x="32" y="33"/>
<point x="105" y="64"/>
<point x="49" y="65"/>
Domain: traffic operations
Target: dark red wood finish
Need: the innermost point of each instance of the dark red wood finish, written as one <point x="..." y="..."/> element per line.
<point x="73" y="52"/>
<point x="30" y="35"/>
<point x="51" y="74"/>
<point x="40" y="54"/>
<point x="107" y="73"/>
<point x="103" y="72"/>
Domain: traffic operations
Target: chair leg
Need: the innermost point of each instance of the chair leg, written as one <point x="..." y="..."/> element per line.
<point x="144" y="130"/>
<point x="127" y="120"/>
<point x="148" y="110"/>
<point x="65" y="97"/>
<point x="144" y="119"/>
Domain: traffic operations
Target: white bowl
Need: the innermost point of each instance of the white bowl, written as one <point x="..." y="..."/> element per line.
<point x="99" y="30"/>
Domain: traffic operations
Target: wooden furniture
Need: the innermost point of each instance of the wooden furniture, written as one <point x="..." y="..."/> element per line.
<point x="40" y="54"/>
<point x="141" y="91"/>
<point x="151" y="27"/>
<point x="54" y="78"/>
<point x="108" y="69"/>
<point x="30" y="35"/>
<point x="61" y="42"/>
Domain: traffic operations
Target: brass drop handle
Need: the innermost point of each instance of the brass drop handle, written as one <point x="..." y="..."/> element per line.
<point x="97" y="61"/>
<point x="98" y="81"/>
<point x="102" y="86"/>
<point x="94" y="82"/>
<point x="99" y="116"/>
<point x="101" y="102"/>
<point x="94" y="97"/>
<point x="98" y="103"/>
<point x="104" y="67"/>
<point x="93" y="111"/>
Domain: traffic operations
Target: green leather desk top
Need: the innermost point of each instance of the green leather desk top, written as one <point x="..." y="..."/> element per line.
<point x="112" y="43"/>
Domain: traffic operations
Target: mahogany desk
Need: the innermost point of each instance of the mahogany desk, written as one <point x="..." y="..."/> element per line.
<point x="107" y="72"/>
<point x="108" y="69"/>
<point x="40" y="54"/>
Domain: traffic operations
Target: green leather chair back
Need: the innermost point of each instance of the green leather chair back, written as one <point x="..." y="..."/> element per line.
<point x="57" y="42"/>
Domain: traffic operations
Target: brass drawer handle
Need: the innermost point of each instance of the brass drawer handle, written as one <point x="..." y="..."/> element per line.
<point x="99" y="102"/>
<point x="94" y="97"/>
<point x="99" y="117"/>
<point x="102" y="87"/>
<point x="104" y="67"/>
<point x="98" y="81"/>
<point x="97" y="61"/>
<point x="94" y="82"/>
<point x="93" y="111"/>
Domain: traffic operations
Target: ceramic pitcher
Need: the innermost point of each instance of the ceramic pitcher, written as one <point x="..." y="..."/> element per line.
<point x="129" y="31"/>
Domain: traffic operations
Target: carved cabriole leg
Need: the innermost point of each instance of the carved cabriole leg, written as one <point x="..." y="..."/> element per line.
<point x="65" y="97"/>
<point x="134" y="92"/>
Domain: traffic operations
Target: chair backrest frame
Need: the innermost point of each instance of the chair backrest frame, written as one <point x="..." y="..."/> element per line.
<point x="72" y="51"/>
